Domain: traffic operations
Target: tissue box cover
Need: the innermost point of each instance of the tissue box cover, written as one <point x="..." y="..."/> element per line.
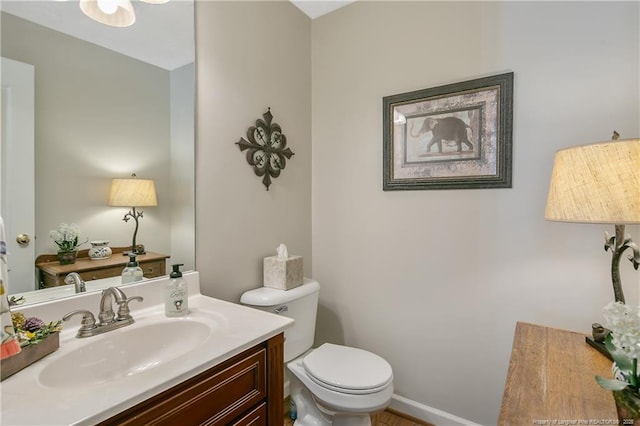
<point x="282" y="274"/>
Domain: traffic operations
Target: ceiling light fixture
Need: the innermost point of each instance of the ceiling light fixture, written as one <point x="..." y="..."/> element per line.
<point x="116" y="13"/>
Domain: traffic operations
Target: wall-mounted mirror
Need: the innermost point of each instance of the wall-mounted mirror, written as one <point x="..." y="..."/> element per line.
<point x="107" y="102"/>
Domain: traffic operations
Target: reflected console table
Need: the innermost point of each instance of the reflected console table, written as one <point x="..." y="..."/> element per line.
<point x="551" y="380"/>
<point x="51" y="274"/>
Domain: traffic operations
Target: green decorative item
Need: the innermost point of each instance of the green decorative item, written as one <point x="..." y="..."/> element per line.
<point x="266" y="147"/>
<point x="628" y="406"/>
<point x="66" y="238"/>
<point x="67" y="257"/>
<point x="36" y="338"/>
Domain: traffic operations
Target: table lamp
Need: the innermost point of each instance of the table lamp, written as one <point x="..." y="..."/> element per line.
<point x="133" y="192"/>
<point x="600" y="183"/>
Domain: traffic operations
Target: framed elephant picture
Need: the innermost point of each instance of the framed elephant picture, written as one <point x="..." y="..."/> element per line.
<point x="456" y="136"/>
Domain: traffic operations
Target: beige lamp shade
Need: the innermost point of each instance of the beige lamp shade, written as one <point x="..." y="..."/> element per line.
<point x="596" y="183"/>
<point x="116" y="13"/>
<point x="132" y="193"/>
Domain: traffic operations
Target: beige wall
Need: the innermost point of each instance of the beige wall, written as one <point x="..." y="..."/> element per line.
<point x="98" y="115"/>
<point x="183" y="185"/>
<point x="434" y="281"/>
<point x="250" y="56"/>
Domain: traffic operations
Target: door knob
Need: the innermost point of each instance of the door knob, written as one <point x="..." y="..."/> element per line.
<point x="23" y="239"/>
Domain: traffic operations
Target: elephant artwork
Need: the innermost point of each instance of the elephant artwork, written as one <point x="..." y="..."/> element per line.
<point x="444" y="129"/>
<point x="453" y="136"/>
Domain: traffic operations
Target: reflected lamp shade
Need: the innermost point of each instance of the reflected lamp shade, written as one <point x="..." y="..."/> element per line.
<point x="596" y="183"/>
<point x="132" y="193"/>
<point x="116" y="13"/>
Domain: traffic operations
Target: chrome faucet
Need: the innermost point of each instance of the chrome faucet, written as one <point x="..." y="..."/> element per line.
<point x="106" y="315"/>
<point x="75" y="279"/>
<point x="107" y="319"/>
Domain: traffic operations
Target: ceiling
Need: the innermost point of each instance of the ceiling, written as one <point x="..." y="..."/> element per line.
<point x="316" y="8"/>
<point x="162" y="34"/>
<point x="148" y="39"/>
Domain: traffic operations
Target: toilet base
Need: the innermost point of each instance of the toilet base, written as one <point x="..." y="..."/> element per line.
<point x="311" y="413"/>
<point x="352" y="420"/>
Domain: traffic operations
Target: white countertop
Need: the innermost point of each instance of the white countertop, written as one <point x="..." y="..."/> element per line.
<point x="235" y="328"/>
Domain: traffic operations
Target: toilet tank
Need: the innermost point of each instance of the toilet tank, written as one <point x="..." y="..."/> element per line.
<point x="299" y="303"/>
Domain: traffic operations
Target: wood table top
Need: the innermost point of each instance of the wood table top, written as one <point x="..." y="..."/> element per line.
<point x="551" y="380"/>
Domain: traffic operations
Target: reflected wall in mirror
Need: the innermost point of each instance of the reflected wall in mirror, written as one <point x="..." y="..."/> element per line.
<point x="101" y="114"/>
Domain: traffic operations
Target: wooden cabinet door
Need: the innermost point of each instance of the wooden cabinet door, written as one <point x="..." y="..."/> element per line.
<point x="257" y="417"/>
<point x="215" y="397"/>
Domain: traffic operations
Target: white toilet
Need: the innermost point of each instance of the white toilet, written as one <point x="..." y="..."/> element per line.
<point x="333" y="384"/>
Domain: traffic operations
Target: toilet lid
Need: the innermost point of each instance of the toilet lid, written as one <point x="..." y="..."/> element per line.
<point x="346" y="369"/>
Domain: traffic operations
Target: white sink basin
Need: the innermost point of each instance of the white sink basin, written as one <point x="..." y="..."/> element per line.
<point x="124" y="352"/>
<point x="89" y="380"/>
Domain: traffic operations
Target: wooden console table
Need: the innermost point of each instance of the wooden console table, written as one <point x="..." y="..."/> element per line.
<point x="551" y="380"/>
<point x="52" y="274"/>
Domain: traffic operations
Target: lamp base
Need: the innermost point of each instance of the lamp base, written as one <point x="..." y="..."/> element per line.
<point x="137" y="250"/>
<point x="598" y="346"/>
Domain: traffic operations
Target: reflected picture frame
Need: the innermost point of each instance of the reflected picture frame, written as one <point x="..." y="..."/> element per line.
<point x="455" y="136"/>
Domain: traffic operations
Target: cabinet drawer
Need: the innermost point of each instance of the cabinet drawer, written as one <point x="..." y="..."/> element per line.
<point x="48" y="280"/>
<point x="153" y="269"/>
<point x="98" y="274"/>
<point x="215" y="397"/>
<point x="257" y="417"/>
<point x="149" y="270"/>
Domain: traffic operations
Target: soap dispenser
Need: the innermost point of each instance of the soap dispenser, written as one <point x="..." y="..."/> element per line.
<point x="132" y="272"/>
<point x="176" y="302"/>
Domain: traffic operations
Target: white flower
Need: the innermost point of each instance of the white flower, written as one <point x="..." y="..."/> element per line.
<point x="624" y="323"/>
<point x="55" y="235"/>
<point x="66" y="236"/>
<point x="65" y="232"/>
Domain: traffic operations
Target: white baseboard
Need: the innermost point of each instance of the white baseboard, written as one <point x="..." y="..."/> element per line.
<point x="426" y="413"/>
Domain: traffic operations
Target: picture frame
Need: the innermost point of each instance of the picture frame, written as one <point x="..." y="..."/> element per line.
<point x="455" y="136"/>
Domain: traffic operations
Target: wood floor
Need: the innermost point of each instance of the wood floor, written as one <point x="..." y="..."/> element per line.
<point x="386" y="418"/>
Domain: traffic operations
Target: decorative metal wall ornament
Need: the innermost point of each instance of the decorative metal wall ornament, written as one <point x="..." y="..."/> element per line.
<point x="267" y="148"/>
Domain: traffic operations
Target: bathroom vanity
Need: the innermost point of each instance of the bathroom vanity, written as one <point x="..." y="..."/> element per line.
<point x="244" y="390"/>
<point x="221" y="364"/>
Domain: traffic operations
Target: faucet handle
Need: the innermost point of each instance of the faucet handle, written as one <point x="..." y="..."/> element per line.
<point x="88" y="321"/>
<point x="123" y="308"/>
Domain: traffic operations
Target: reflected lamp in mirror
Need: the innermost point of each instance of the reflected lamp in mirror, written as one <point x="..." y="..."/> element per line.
<point x="133" y="192"/>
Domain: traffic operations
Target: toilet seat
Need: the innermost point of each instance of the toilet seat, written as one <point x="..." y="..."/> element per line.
<point x="347" y="370"/>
